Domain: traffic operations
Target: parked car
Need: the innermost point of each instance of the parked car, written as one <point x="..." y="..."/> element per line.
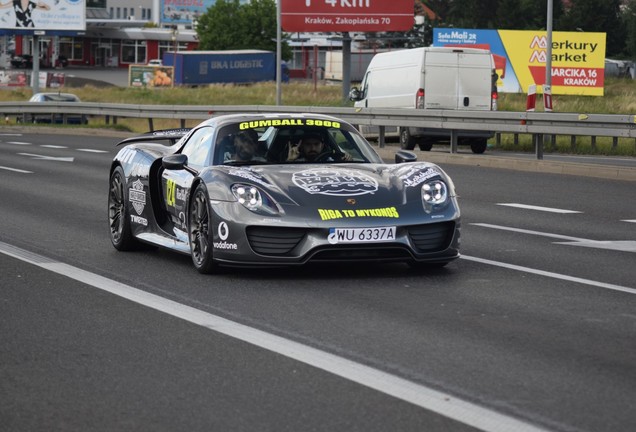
<point x="232" y="192"/>
<point x="53" y="99"/>
<point x="24" y="61"/>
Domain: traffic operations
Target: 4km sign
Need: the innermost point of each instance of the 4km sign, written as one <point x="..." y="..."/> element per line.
<point x="346" y="15"/>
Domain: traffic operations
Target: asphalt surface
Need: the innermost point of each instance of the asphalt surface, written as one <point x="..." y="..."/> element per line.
<point x="532" y="329"/>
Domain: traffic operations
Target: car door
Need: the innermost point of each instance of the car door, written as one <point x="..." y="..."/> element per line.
<point x="176" y="184"/>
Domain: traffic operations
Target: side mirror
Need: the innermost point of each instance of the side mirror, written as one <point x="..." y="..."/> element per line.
<point x="354" y="94"/>
<point x="403" y="156"/>
<point x="175" y="162"/>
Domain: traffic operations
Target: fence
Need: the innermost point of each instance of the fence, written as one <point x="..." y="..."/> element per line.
<point x="537" y="124"/>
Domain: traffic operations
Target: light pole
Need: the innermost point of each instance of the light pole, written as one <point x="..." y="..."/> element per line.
<point x="175" y="33"/>
<point x="278" y="54"/>
<point x="548" y="54"/>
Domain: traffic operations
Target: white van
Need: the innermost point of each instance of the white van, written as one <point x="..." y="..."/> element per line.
<point x="433" y="78"/>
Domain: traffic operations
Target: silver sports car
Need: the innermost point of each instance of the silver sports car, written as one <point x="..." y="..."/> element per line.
<point x="279" y="190"/>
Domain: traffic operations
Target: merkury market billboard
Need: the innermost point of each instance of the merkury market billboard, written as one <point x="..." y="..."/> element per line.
<point x="578" y="59"/>
<point x="346" y="15"/>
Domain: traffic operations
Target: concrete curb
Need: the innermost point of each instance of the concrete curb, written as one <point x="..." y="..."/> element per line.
<point x="538" y="166"/>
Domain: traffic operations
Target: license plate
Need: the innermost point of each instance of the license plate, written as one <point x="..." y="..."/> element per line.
<point x="361" y="235"/>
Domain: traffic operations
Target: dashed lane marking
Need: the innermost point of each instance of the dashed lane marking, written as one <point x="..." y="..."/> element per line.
<point x="538" y="208"/>
<point x="617" y="245"/>
<point x="16" y="170"/>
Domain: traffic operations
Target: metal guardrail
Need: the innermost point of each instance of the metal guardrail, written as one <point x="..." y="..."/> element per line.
<point x="533" y="123"/>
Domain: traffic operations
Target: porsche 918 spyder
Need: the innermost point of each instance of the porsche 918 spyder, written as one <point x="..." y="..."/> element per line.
<point x="237" y="190"/>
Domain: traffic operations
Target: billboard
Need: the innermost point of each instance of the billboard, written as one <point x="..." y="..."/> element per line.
<point x="346" y="15"/>
<point x="578" y="58"/>
<point x="183" y="11"/>
<point x="150" y="76"/>
<point x="43" y="15"/>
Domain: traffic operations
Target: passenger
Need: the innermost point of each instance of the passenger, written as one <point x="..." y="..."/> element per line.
<point x="245" y="148"/>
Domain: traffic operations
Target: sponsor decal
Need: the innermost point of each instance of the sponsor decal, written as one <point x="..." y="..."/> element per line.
<point x="225" y="245"/>
<point x="249" y="175"/>
<point x="335" y="182"/>
<point x="288" y="122"/>
<point x="171" y="188"/>
<point x="330" y="214"/>
<point x="137" y="196"/>
<point x="139" y="220"/>
<point x="418" y="175"/>
<point x="224" y="232"/>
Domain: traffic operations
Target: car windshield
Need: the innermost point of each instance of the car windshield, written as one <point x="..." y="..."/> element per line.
<point x="291" y="141"/>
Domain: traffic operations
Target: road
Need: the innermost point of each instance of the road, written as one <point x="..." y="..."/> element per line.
<point x="532" y="329"/>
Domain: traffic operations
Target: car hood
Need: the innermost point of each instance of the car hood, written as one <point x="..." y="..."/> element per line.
<point x="321" y="186"/>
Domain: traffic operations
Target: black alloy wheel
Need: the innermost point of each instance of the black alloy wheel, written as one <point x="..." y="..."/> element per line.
<point x="199" y="231"/>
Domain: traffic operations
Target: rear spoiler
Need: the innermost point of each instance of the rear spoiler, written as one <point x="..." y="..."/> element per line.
<point x="172" y="135"/>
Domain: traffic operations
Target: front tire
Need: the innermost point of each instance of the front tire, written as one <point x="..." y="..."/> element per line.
<point x="200" y="231"/>
<point x="118" y="218"/>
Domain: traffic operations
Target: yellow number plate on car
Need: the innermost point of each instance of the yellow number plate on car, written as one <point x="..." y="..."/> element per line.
<point x="361" y="235"/>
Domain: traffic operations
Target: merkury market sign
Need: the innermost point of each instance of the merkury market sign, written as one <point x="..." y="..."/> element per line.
<point x="578" y="59"/>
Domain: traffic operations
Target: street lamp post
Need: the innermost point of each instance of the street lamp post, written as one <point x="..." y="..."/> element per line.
<point x="175" y="33"/>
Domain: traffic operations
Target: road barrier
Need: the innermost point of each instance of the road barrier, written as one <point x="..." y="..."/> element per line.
<point x="537" y="124"/>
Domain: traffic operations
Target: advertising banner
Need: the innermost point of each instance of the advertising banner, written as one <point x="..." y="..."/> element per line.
<point x="150" y="76"/>
<point x="43" y="14"/>
<point x="183" y="11"/>
<point x="346" y="15"/>
<point x="13" y="79"/>
<point x="578" y="58"/>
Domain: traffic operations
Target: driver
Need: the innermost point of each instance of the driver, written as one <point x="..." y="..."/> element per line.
<point x="309" y="148"/>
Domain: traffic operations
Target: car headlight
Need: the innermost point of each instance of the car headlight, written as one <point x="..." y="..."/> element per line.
<point x="255" y="200"/>
<point x="434" y="195"/>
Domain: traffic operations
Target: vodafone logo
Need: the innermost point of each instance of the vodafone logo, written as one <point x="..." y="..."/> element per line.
<point x="223" y="231"/>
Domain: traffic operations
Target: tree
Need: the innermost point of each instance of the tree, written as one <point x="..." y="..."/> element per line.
<point x="595" y="16"/>
<point x="231" y="24"/>
<point x="629" y="20"/>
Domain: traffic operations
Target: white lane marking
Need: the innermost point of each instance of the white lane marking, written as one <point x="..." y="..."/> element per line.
<point x="441" y="403"/>
<point x="48" y="158"/>
<point x="617" y="245"/>
<point x="552" y="275"/>
<point x="18" y="143"/>
<point x="53" y="146"/>
<point x="531" y="207"/>
<point x="16" y="170"/>
<point x="525" y="231"/>
<point x="92" y="150"/>
<point x="629" y="220"/>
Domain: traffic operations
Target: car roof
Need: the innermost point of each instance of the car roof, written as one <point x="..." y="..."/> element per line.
<point x="56" y="97"/>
